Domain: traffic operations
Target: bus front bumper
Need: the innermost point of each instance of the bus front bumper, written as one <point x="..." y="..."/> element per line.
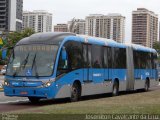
<point x="28" y="92"/>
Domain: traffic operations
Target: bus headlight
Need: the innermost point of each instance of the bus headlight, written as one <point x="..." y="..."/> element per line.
<point x="47" y="84"/>
<point x="6" y="83"/>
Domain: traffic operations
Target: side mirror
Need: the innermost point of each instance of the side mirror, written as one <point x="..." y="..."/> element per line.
<point x="63" y="62"/>
<point x="64" y="54"/>
<point x="4" y="52"/>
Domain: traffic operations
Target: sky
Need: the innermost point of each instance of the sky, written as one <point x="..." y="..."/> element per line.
<point x="65" y="10"/>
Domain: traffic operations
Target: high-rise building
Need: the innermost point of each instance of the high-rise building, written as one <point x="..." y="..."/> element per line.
<point x="38" y="20"/>
<point x="144" y="27"/>
<point x="77" y="26"/>
<point x="61" y="28"/>
<point x="111" y="26"/>
<point x="11" y="15"/>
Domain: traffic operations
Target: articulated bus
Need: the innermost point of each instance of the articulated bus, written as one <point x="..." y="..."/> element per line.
<point x="66" y="65"/>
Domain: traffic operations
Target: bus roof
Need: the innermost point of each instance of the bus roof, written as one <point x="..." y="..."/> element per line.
<point x="112" y="43"/>
<point x="102" y="41"/>
<point x="45" y="38"/>
<point x="59" y="37"/>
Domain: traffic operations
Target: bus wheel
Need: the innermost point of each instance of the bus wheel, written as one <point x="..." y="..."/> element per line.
<point x="146" y="88"/>
<point x="33" y="99"/>
<point x="115" y="89"/>
<point x="75" y="92"/>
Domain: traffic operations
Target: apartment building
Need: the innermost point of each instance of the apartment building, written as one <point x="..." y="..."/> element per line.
<point x="61" y="28"/>
<point x="111" y="26"/>
<point x="38" y="20"/>
<point x="11" y="15"/>
<point x="144" y="27"/>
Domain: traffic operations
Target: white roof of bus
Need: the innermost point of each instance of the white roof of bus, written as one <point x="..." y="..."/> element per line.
<point x="103" y="40"/>
<point x="114" y="43"/>
<point x="97" y="38"/>
<point x="140" y="47"/>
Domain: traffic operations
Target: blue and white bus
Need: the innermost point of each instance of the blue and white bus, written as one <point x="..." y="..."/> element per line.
<point x="66" y="65"/>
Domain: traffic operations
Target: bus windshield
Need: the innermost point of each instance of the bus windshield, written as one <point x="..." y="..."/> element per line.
<point x="32" y="61"/>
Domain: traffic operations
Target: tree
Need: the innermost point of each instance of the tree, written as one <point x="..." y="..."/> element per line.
<point x="14" y="37"/>
<point x="27" y="32"/>
<point x="11" y="40"/>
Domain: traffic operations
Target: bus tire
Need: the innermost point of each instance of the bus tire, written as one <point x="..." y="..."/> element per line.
<point x="146" y="87"/>
<point x="115" y="90"/>
<point x="75" y="92"/>
<point x="34" y="100"/>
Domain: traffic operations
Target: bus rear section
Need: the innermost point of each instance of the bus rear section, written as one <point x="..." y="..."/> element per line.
<point x="141" y="70"/>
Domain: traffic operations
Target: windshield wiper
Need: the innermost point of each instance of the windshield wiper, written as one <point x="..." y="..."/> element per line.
<point x="13" y="57"/>
<point x="15" y="73"/>
<point x="23" y="63"/>
<point x="34" y="64"/>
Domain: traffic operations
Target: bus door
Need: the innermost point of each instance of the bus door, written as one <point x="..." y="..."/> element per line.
<point x="97" y="64"/>
<point x="98" y="69"/>
<point x="130" y="70"/>
<point x="87" y="71"/>
<point x="106" y="70"/>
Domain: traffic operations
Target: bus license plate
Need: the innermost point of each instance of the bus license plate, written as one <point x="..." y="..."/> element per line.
<point x="24" y="93"/>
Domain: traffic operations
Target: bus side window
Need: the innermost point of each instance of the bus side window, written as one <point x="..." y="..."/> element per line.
<point x="110" y="58"/>
<point x="97" y="56"/>
<point x="153" y="60"/>
<point x="74" y="50"/>
<point x="70" y="58"/>
<point x="63" y="62"/>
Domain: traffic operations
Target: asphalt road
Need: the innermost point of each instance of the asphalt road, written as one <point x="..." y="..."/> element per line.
<point x="8" y="104"/>
<point x="11" y="103"/>
<point x="17" y="103"/>
<point x="4" y="99"/>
